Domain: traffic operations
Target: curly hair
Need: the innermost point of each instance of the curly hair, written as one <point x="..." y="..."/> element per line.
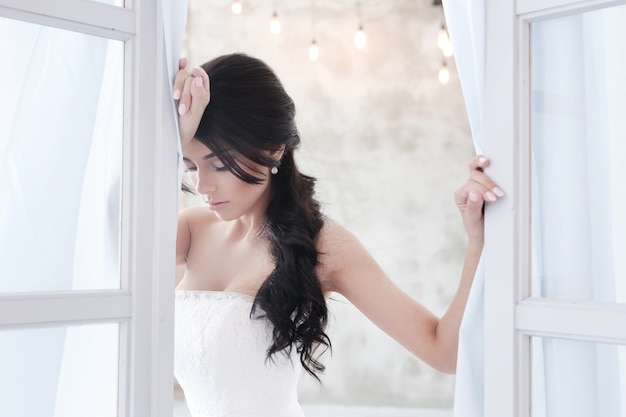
<point x="249" y="114"/>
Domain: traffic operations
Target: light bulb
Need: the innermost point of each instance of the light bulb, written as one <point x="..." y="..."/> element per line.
<point x="314" y="51"/>
<point x="236" y="7"/>
<point x="443" y="39"/>
<point x="275" y="24"/>
<point x="360" y="38"/>
<point x="444" y="74"/>
<point x="447" y="51"/>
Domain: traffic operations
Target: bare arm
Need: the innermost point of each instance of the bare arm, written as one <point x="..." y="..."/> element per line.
<point x="192" y="91"/>
<point x="193" y="94"/>
<point x="350" y="270"/>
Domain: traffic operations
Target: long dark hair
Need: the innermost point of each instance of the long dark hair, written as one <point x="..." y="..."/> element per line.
<point x="250" y="113"/>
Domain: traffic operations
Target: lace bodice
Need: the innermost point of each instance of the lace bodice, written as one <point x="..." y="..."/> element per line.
<point x="221" y="361"/>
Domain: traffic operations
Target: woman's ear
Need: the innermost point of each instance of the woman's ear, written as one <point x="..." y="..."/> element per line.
<point x="277" y="155"/>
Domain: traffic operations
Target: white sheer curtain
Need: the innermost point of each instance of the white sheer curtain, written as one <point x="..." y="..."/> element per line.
<point x="60" y="164"/>
<point x="49" y="106"/>
<point x="465" y="20"/>
<point x="50" y="103"/>
<point x="579" y="196"/>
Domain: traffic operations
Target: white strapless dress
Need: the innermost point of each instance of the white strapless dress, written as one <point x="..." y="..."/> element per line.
<point x="221" y="359"/>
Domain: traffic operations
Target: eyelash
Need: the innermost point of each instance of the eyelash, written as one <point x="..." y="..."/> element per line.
<point x="217" y="169"/>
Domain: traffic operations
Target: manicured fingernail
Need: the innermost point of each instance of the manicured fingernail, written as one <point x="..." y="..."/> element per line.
<point x="473" y="196"/>
<point x="182" y="108"/>
<point x="490" y="197"/>
<point x="482" y="160"/>
<point x="497" y="192"/>
<point x="197" y="81"/>
<point x="176" y="94"/>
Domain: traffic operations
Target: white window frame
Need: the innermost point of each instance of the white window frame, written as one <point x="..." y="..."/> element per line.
<point x="512" y="316"/>
<point x="144" y="305"/>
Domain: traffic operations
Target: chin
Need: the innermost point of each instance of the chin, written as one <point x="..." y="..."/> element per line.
<point x="225" y="217"/>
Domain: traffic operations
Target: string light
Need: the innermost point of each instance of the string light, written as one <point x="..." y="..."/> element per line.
<point x="442" y="38"/>
<point x="236" y="7"/>
<point x="360" y="39"/>
<point x="444" y="43"/>
<point x="314" y="51"/>
<point x="444" y="74"/>
<point x="275" y="24"/>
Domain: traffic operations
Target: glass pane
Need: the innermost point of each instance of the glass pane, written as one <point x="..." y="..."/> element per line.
<point x="60" y="371"/>
<point x="577" y="379"/>
<point x="578" y="137"/>
<point x="60" y="159"/>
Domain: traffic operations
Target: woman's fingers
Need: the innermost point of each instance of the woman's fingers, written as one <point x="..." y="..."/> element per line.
<point x="479" y="162"/>
<point x="470" y="198"/>
<point x="200" y="92"/>
<point x="179" y="79"/>
<point x="474" y="206"/>
<point x="479" y="187"/>
<point x="488" y="188"/>
<point x="193" y="93"/>
<point x="184" y="101"/>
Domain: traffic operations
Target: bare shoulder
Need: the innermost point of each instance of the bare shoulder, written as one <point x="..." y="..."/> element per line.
<point x="196" y="215"/>
<point x="333" y="236"/>
<point x="190" y="221"/>
<point x="340" y="251"/>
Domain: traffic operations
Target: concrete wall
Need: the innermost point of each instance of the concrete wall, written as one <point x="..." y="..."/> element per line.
<point x="388" y="144"/>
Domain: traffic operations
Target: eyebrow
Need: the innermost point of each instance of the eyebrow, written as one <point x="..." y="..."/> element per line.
<point x="204" y="158"/>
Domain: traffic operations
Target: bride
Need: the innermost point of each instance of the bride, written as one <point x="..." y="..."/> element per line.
<point x="261" y="259"/>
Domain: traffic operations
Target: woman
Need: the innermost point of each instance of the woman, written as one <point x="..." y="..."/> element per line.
<point x="261" y="259"/>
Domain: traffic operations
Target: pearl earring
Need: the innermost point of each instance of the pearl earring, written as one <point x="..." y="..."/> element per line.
<point x="274" y="170"/>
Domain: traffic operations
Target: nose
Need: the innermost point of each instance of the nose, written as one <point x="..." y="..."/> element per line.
<point x="205" y="183"/>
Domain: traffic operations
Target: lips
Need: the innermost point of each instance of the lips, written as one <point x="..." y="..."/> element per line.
<point x="217" y="205"/>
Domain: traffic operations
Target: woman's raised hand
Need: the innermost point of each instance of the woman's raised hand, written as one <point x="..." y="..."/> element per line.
<point x="479" y="188"/>
<point x="193" y="92"/>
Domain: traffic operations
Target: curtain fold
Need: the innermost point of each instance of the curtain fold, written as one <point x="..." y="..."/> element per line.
<point x="465" y="20"/>
<point x="175" y="19"/>
<point x="46" y="138"/>
<point x="50" y="100"/>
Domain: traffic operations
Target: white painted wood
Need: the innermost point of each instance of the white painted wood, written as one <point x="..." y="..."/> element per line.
<point x="556" y="8"/>
<point x="76" y="15"/>
<point x="523" y="210"/>
<point x="144" y="307"/>
<point x="572" y="319"/>
<point x="501" y="253"/>
<point x="152" y="212"/>
<point x="511" y="318"/>
<point x="73" y="308"/>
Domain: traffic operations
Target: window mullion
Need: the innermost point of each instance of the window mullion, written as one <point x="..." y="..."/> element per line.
<point x="578" y="320"/>
<point x="88" y="17"/>
<point x="501" y="258"/>
<point x="64" y="308"/>
<point x="565" y="6"/>
<point x="151" y="189"/>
